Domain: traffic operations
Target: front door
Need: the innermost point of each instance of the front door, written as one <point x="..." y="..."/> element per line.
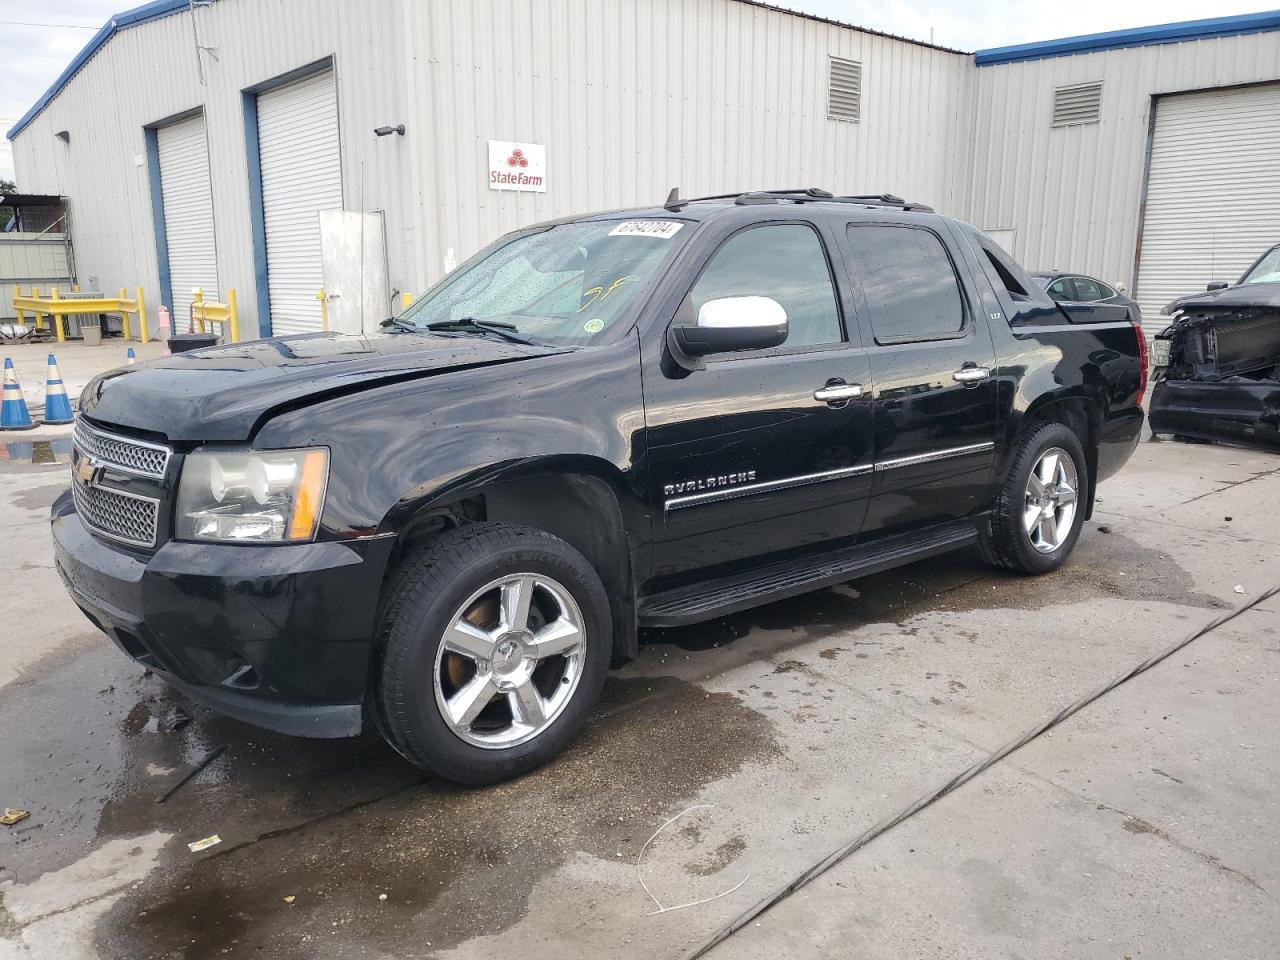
<point x="745" y="461"/>
<point x="934" y="369"/>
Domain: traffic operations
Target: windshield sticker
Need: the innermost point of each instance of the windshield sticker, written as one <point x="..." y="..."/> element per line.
<point x="594" y="325"/>
<point x="661" y="229"/>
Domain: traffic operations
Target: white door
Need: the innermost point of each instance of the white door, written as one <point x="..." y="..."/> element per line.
<point x="1213" y="193"/>
<point x="187" y="197"/>
<point x="301" y="175"/>
<point x="354" y="250"/>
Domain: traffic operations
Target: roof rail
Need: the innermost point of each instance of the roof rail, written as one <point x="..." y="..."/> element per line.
<point x="675" y="202"/>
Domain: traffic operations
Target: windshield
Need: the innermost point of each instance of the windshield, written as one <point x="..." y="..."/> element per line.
<point x="1266" y="270"/>
<point x="569" y="284"/>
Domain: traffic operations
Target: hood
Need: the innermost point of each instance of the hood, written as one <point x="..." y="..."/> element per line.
<point x="224" y="393"/>
<point x="1265" y="295"/>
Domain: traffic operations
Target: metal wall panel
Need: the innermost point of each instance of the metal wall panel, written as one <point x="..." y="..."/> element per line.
<point x="147" y="73"/>
<point x="1073" y="194"/>
<point x="632" y="97"/>
<point x="31" y="259"/>
<point x="1213" y="192"/>
<point x="188" y="213"/>
<point x="301" y="176"/>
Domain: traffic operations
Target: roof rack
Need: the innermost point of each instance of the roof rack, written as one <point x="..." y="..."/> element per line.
<point x="675" y="202"/>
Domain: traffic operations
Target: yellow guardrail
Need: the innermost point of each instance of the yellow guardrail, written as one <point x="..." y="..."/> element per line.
<point x="210" y="311"/>
<point x="324" y="309"/>
<point x="54" y="306"/>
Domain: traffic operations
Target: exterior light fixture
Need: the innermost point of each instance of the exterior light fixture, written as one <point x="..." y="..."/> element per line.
<point x="387" y="131"/>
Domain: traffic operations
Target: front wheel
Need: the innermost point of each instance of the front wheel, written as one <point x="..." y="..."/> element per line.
<point x="1040" y="509"/>
<point x="495" y="643"/>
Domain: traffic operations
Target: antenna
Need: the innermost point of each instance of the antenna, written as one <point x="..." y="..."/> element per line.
<point x="674" y="203"/>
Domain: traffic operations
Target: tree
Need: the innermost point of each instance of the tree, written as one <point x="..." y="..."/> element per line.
<point x="6" y="213"/>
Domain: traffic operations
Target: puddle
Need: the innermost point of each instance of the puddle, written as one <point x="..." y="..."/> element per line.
<point x="335" y="824"/>
<point x="41" y="497"/>
<point x="453" y="862"/>
<point x="57" y="450"/>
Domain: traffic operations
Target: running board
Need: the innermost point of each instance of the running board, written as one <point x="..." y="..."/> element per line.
<point x="715" y="598"/>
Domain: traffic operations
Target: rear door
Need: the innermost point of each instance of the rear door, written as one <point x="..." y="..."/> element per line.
<point x="934" y="369"/>
<point x="745" y="460"/>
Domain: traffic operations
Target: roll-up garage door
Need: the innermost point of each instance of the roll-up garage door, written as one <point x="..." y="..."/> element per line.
<point x="301" y="175"/>
<point x="1213" y="191"/>
<point x="187" y="197"/>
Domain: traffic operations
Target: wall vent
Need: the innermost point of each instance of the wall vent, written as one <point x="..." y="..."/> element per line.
<point x="844" y="89"/>
<point x="1077" y="103"/>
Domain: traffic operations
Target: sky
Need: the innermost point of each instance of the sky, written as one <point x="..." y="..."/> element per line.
<point x="37" y="40"/>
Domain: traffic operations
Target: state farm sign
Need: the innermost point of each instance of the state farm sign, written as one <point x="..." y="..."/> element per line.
<point x="517" y="166"/>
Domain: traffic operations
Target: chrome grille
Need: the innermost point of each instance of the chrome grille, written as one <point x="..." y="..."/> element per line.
<point x="123" y="453"/>
<point x="120" y="516"/>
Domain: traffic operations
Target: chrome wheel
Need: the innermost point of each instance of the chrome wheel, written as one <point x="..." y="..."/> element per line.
<point x="510" y="661"/>
<point x="1051" y="500"/>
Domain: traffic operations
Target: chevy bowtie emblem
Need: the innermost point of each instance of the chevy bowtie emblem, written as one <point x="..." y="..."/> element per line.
<point x="85" y="468"/>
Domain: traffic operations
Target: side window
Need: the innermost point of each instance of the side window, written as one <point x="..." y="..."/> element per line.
<point x="1105" y="292"/>
<point x="785" y="261"/>
<point x="1059" y="290"/>
<point x="910" y="285"/>
<point x="1087" y="290"/>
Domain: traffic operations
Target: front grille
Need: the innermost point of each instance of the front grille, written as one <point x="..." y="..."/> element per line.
<point x="120" y="516"/>
<point x="132" y="456"/>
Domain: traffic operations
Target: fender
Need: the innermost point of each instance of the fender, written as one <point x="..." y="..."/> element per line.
<point x="401" y="446"/>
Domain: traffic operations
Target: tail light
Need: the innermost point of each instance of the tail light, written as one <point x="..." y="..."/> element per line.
<point x="1143" y="360"/>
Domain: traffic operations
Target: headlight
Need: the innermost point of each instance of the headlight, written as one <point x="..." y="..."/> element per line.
<point x="267" y="496"/>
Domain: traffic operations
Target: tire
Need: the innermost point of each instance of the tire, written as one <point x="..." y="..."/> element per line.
<point x="1039" y="549"/>
<point x="433" y="666"/>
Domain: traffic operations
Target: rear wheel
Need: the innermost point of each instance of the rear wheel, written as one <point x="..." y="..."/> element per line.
<point x="1040" y="509"/>
<point x="496" y="641"/>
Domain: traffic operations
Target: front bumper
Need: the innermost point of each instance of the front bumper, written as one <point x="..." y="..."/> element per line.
<point x="1237" y="410"/>
<point x="277" y="636"/>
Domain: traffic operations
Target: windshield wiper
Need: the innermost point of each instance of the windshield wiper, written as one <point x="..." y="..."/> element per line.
<point x="505" y="330"/>
<point x="400" y="324"/>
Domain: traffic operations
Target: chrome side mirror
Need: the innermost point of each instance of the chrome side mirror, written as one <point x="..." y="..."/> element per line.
<point x="734" y="323"/>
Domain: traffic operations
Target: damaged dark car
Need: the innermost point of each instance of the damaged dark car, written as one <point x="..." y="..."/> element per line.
<point x="1222" y="380"/>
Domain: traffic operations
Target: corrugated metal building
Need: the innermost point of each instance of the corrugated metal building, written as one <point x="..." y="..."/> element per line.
<point x="231" y="143"/>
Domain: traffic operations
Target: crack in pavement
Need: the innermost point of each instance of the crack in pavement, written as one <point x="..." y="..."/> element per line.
<point x="1228" y="486"/>
<point x="1135" y="824"/>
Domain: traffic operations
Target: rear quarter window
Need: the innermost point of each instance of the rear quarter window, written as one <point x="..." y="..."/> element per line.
<point x="908" y="282"/>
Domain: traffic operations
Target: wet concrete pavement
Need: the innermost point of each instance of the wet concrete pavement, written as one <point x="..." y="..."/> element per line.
<point x="1147" y="825"/>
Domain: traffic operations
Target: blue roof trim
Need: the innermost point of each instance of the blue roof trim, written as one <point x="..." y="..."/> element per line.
<point x="130" y="18"/>
<point x="1136" y="37"/>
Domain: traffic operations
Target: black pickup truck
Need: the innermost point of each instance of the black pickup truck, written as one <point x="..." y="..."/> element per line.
<point x="641" y="418"/>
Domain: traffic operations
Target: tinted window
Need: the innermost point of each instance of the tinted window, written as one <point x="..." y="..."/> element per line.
<point x="1058" y="290"/>
<point x="784" y="261"/>
<point x="1087" y="290"/>
<point x="1105" y="292"/>
<point x="910" y="286"/>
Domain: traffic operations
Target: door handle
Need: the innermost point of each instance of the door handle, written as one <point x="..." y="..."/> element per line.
<point x="837" y="390"/>
<point x="968" y="375"/>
